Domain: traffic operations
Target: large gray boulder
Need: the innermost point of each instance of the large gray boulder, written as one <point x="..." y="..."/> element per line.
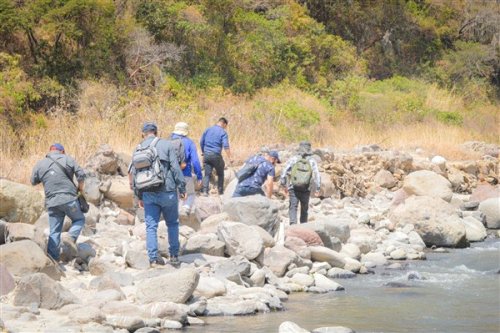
<point x="174" y="287"/>
<point x="205" y="207"/>
<point x="434" y="219"/>
<point x="491" y="209"/>
<point x="91" y="190"/>
<point x="240" y="239"/>
<point x="324" y="254"/>
<point x="328" y="228"/>
<point x="19" y="202"/>
<point x="120" y="193"/>
<point x="474" y="229"/>
<point x="210" y="287"/>
<point x="25" y="257"/>
<point x="278" y="259"/>
<point x="19" y="231"/>
<point x="428" y="183"/>
<point x="7" y="283"/>
<point x="254" y="210"/>
<point x="41" y="290"/>
<point x="204" y="243"/>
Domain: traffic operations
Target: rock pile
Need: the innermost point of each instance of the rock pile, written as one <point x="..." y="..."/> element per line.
<point x="376" y="207"/>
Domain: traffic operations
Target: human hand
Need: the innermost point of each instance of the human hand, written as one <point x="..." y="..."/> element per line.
<point x="316" y="194"/>
<point x="141" y="203"/>
<point x="183" y="195"/>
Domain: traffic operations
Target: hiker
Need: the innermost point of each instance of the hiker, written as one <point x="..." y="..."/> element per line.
<point x="262" y="171"/>
<point x="181" y="131"/>
<point x="212" y="141"/>
<point x="56" y="172"/>
<point x="298" y="176"/>
<point x="156" y="178"/>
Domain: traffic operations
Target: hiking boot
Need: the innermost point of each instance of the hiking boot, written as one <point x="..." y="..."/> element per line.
<point x="157" y="262"/>
<point x="174" y="261"/>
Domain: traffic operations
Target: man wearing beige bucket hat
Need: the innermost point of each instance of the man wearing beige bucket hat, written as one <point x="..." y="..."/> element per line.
<point x="181" y="131"/>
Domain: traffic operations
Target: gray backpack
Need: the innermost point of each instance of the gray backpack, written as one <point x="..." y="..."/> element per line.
<point x="148" y="169"/>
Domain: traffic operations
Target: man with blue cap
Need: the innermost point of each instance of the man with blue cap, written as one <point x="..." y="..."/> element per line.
<point x="56" y="172"/>
<point x="161" y="200"/>
<point x="264" y="173"/>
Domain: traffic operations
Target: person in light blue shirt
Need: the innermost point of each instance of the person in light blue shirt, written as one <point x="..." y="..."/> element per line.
<point x="181" y="131"/>
<point x="213" y="140"/>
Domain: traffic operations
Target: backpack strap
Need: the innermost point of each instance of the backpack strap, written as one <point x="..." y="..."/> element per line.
<point x="63" y="169"/>
<point x="154" y="142"/>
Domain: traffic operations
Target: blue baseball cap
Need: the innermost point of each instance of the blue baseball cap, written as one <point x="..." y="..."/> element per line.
<point x="274" y="153"/>
<point x="57" y="146"/>
<point x="149" y="126"/>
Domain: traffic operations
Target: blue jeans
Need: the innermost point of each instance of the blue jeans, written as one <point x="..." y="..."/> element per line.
<point x="243" y="191"/>
<point x="166" y="203"/>
<point x="56" y="221"/>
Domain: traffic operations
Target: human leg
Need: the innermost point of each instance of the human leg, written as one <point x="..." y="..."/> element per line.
<point x="207" y="167"/>
<point x="189" y="201"/>
<point x="72" y="209"/>
<point x="56" y="221"/>
<point x="170" y="213"/>
<point x="152" y="212"/>
<point x="292" y="208"/>
<point x="304" y="205"/>
<point x="219" y="169"/>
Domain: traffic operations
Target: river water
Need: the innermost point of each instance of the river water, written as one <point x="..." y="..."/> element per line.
<point x="458" y="292"/>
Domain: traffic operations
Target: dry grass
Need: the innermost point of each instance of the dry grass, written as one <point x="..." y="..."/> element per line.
<point x="118" y="124"/>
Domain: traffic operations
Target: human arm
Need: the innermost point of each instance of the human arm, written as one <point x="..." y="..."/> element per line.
<point x="35" y="178"/>
<point x="195" y="162"/>
<point x="286" y="171"/>
<point x="202" y="142"/>
<point x="225" y="145"/>
<point x="316" y="176"/>
<point x="269" y="186"/>
<point x="176" y="171"/>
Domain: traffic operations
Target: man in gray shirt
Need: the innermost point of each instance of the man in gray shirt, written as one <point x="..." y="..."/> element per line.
<point x="56" y="172"/>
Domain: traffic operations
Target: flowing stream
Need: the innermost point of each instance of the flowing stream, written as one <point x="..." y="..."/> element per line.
<point x="457" y="292"/>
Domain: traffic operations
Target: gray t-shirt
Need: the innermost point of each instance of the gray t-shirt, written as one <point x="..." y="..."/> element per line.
<point x="58" y="188"/>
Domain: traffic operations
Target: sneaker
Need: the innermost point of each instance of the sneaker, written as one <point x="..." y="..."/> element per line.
<point x="174" y="261"/>
<point x="157" y="262"/>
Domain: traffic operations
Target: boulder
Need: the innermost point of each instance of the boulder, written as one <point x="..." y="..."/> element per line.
<point x="232" y="269"/>
<point x="474" y="229"/>
<point x="166" y="310"/>
<point x="234" y="306"/>
<point x="210" y="287"/>
<point x="298" y="246"/>
<point x="206" y="206"/>
<point x="204" y="243"/>
<point x="428" y="183"/>
<point x="19" y="202"/>
<point x="106" y="161"/>
<point x="291" y="327"/>
<point x="278" y="259"/>
<point x="40" y="289"/>
<point x="328" y="227"/>
<point x="120" y="193"/>
<point x="267" y="239"/>
<point x="128" y="323"/>
<point x="125" y="218"/>
<point x="136" y="259"/>
<point x="327" y="188"/>
<point x="18" y="231"/>
<point x="324" y="254"/>
<point x="7" y="283"/>
<point x="491" y="209"/>
<point x="384" y="178"/>
<point x="174" y="287"/>
<point x="310" y="237"/>
<point x="91" y="190"/>
<point x="484" y="191"/>
<point x="210" y="224"/>
<point x="434" y="219"/>
<point x="254" y="210"/>
<point x="325" y="283"/>
<point x="333" y="329"/>
<point x="25" y="257"/>
<point x="240" y="239"/>
<point x="364" y="238"/>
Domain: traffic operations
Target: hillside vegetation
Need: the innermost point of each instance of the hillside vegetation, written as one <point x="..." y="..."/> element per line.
<point x="340" y="73"/>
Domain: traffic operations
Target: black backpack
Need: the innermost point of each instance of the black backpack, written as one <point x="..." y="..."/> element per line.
<point x="179" y="151"/>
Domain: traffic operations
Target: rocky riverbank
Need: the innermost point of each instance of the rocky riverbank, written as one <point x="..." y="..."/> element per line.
<point x="377" y="207"/>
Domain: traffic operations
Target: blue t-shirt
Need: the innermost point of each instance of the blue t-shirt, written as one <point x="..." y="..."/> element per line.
<point x="213" y="140"/>
<point x="264" y="170"/>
